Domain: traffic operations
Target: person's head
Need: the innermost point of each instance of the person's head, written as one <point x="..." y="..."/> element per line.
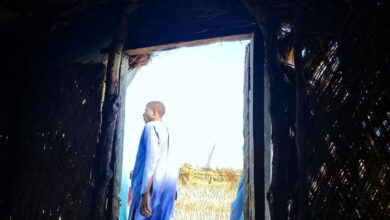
<point x="154" y="111"/>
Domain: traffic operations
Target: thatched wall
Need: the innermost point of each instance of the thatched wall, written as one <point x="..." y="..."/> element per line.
<point x="51" y="93"/>
<point x="52" y="168"/>
<point x="348" y="95"/>
<point x="345" y="65"/>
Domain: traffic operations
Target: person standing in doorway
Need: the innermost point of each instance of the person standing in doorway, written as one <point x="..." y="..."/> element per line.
<point x="154" y="179"/>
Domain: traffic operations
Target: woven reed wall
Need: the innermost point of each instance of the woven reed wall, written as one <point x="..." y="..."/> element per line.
<point x="346" y="64"/>
<point x="53" y="165"/>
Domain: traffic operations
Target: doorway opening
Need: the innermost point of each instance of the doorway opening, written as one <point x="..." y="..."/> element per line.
<point x="202" y="88"/>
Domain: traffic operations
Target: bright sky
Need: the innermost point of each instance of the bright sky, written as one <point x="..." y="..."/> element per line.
<point x="202" y="89"/>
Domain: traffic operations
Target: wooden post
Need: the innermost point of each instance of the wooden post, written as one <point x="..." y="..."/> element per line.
<point x="278" y="192"/>
<point x="257" y="75"/>
<point x="267" y="142"/>
<point x="300" y="138"/>
<point x="111" y="107"/>
<point x="254" y="129"/>
<point x="112" y="103"/>
<point x="127" y="76"/>
<point x="249" y="205"/>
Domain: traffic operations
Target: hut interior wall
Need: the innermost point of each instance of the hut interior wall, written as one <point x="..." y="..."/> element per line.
<point x="52" y="164"/>
<point x="49" y="129"/>
<point x="9" y="119"/>
<point x="346" y="67"/>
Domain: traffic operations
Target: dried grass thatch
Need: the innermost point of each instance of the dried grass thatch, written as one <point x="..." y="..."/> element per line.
<point x="205" y="193"/>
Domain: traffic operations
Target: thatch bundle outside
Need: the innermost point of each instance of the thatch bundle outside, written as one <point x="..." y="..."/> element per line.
<point x="205" y="193"/>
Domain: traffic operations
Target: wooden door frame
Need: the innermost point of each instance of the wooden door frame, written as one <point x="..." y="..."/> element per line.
<point x="256" y="151"/>
<point x="256" y="131"/>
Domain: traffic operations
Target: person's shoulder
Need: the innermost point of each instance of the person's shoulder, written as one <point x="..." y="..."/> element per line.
<point x="158" y="126"/>
<point x="153" y="124"/>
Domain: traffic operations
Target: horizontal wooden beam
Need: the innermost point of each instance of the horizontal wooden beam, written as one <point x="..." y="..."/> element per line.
<point x="151" y="49"/>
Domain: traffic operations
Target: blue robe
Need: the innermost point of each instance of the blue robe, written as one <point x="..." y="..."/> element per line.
<point x="236" y="211"/>
<point x="153" y="161"/>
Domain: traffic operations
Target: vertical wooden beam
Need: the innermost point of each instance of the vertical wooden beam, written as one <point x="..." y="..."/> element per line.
<point x="249" y="203"/>
<point x="257" y="75"/>
<point x="118" y="147"/>
<point x="300" y="119"/>
<point x="111" y="106"/>
<point x="277" y="194"/>
<point x="254" y="129"/>
<point x="104" y="164"/>
<point x="267" y="142"/>
<point x="127" y="76"/>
